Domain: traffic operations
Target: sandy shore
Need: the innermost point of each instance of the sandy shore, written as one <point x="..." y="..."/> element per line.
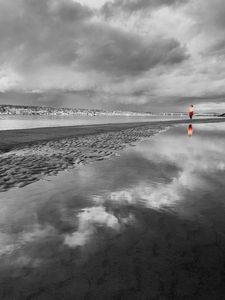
<point x="10" y="139"/>
<point x="30" y="155"/>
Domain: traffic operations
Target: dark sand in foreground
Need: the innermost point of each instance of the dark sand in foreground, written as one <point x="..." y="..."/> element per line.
<point x="29" y="155"/>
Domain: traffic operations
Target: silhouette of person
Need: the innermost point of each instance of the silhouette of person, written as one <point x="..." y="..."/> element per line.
<point x="191" y="111"/>
<point x="190" y="130"/>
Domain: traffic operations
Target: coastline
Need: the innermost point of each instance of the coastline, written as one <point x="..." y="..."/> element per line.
<point x="32" y="154"/>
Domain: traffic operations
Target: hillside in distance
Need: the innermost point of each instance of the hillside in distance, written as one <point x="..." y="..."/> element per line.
<point x="52" y="111"/>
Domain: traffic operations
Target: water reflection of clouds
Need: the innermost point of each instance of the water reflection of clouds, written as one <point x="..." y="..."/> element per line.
<point x="104" y="222"/>
<point x="12" y="242"/>
<point x="215" y="127"/>
<point x="154" y="197"/>
<point x="169" y="171"/>
<point x="89" y="219"/>
<point x="200" y="162"/>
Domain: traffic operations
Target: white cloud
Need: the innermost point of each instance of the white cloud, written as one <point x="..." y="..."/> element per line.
<point x="8" y="79"/>
<point x="88" y="219"/>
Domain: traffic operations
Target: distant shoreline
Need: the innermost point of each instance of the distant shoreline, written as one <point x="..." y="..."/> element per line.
<point x="23" y="110"/>
<point x="14" y="138"/>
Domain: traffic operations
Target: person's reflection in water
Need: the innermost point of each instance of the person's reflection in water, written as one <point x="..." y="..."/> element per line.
<point x="190" y="130"/>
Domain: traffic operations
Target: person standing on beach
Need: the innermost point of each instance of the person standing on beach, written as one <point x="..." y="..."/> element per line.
<point x="191" y="111"/>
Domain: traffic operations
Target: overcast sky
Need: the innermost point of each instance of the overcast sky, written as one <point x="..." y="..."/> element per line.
<point x="155" y="55"/>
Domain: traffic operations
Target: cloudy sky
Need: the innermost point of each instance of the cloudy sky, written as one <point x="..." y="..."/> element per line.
<point x="145" y="55"/>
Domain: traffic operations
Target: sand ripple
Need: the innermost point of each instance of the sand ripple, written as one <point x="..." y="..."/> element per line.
<point x="21" y="167"/>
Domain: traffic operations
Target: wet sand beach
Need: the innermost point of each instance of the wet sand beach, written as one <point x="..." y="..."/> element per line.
<point x="148" y="224"/>
<point x="30" y="155"/>
<point x="10" y="139"/>
<point x="27" y="164"/>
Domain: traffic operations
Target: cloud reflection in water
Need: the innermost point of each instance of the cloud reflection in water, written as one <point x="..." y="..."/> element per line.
<point x="88" y="219"/>
<point x="140" y="216"/>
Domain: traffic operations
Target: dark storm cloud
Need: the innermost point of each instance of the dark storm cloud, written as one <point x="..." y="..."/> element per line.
<point x="55" y="10"/>
<point x="199" y="100"/>
<point x="209" y="14"/>
<point x="130" y="6"/>
<point x="217" y="49"/>
<point x="71" y="11"/>
<point x="40" y="32"/>
<point x="46" y="33"/>
<point x="121" y="53"/>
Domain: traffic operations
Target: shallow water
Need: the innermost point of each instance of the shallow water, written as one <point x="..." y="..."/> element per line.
<point x="24" y="122"/>
<point x="148" y="224"/>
